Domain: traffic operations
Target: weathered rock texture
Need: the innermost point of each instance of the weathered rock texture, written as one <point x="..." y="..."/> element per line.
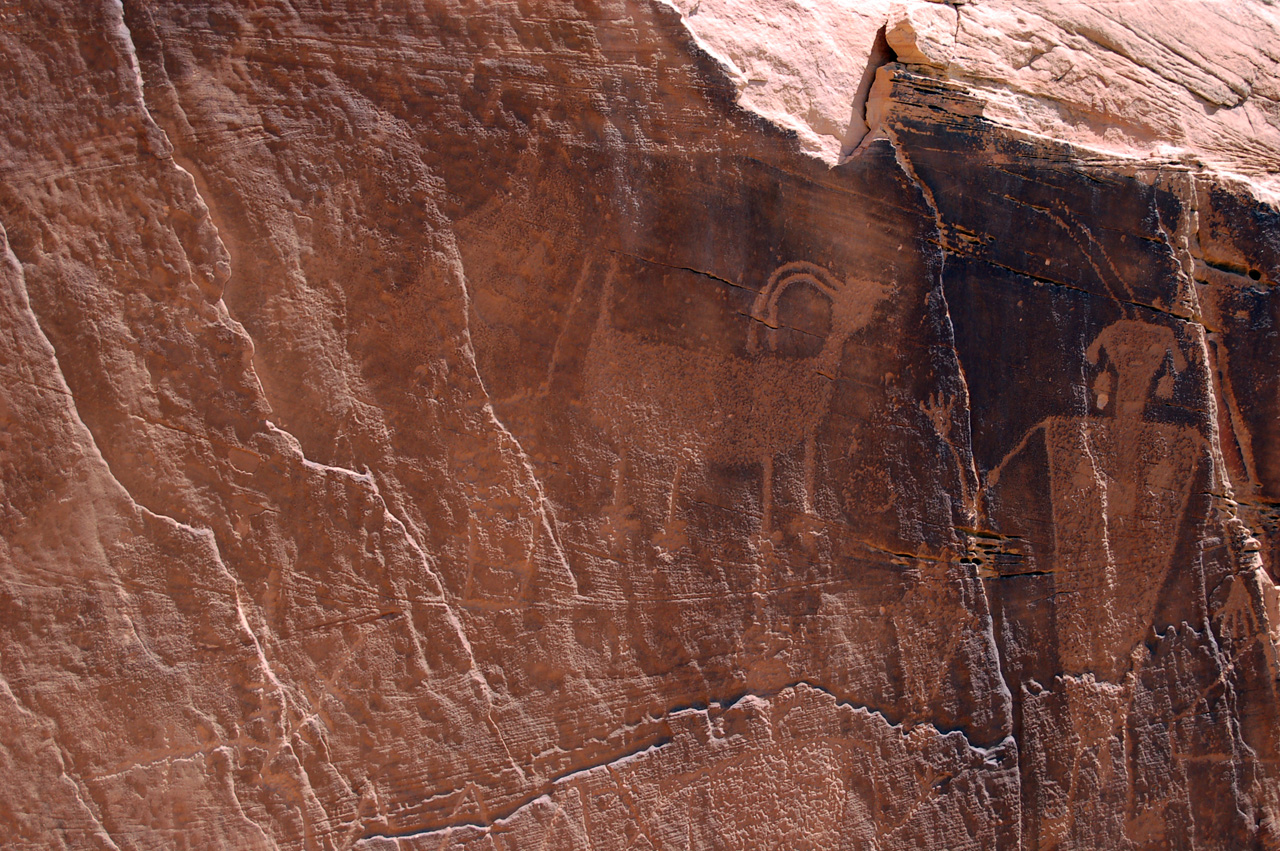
<point x="468" y="425"/>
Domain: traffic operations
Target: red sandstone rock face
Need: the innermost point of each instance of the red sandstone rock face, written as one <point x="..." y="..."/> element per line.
<point x="467" y="427"/>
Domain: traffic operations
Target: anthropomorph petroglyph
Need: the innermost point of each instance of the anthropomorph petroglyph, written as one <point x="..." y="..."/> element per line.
<point x="1119" y="480"/>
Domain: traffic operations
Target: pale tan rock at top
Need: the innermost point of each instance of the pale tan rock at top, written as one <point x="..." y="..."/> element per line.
<point x="639" y="425"/>
<point x="1195" y="78"/>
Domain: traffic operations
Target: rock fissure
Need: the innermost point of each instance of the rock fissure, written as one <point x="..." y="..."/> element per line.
<point x="709" y="710"/>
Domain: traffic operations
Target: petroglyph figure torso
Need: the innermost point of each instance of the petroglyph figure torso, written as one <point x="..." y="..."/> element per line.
<point x="1119" y="485"/>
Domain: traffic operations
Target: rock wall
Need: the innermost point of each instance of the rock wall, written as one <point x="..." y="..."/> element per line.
<point x="497" y="425"/>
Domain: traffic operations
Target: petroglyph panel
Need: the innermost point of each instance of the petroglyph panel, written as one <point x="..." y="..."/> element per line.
<point x="439" y="425"/>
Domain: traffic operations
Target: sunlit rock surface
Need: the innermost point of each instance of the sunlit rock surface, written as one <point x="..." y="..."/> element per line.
<point x="627" y="425"/>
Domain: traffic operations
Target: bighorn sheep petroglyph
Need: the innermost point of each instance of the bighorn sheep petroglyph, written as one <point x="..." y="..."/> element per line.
<point x="715" y="407"/>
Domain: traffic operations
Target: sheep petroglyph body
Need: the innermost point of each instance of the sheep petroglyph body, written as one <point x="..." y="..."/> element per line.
<point x="747" y="406"/>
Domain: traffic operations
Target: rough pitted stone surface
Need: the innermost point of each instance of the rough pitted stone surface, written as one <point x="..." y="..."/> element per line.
<point x="627" y="425"/>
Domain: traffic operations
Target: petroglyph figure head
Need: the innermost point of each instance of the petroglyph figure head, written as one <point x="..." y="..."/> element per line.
<point x="851" y="308"/>
<point x="1137" y="355"/>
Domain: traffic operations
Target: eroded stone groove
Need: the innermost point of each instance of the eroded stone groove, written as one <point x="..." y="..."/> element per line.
<point x="452" y="426"/>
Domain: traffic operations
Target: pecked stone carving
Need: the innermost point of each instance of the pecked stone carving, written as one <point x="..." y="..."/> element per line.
<point x="439" y="425"/>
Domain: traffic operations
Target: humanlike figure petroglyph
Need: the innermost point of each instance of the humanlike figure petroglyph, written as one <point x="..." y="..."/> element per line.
<point x="1119" y="482"/>
<point x="708" y="406"/>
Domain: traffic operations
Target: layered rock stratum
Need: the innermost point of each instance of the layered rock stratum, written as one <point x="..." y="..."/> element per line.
<point x="631" y="425"/>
